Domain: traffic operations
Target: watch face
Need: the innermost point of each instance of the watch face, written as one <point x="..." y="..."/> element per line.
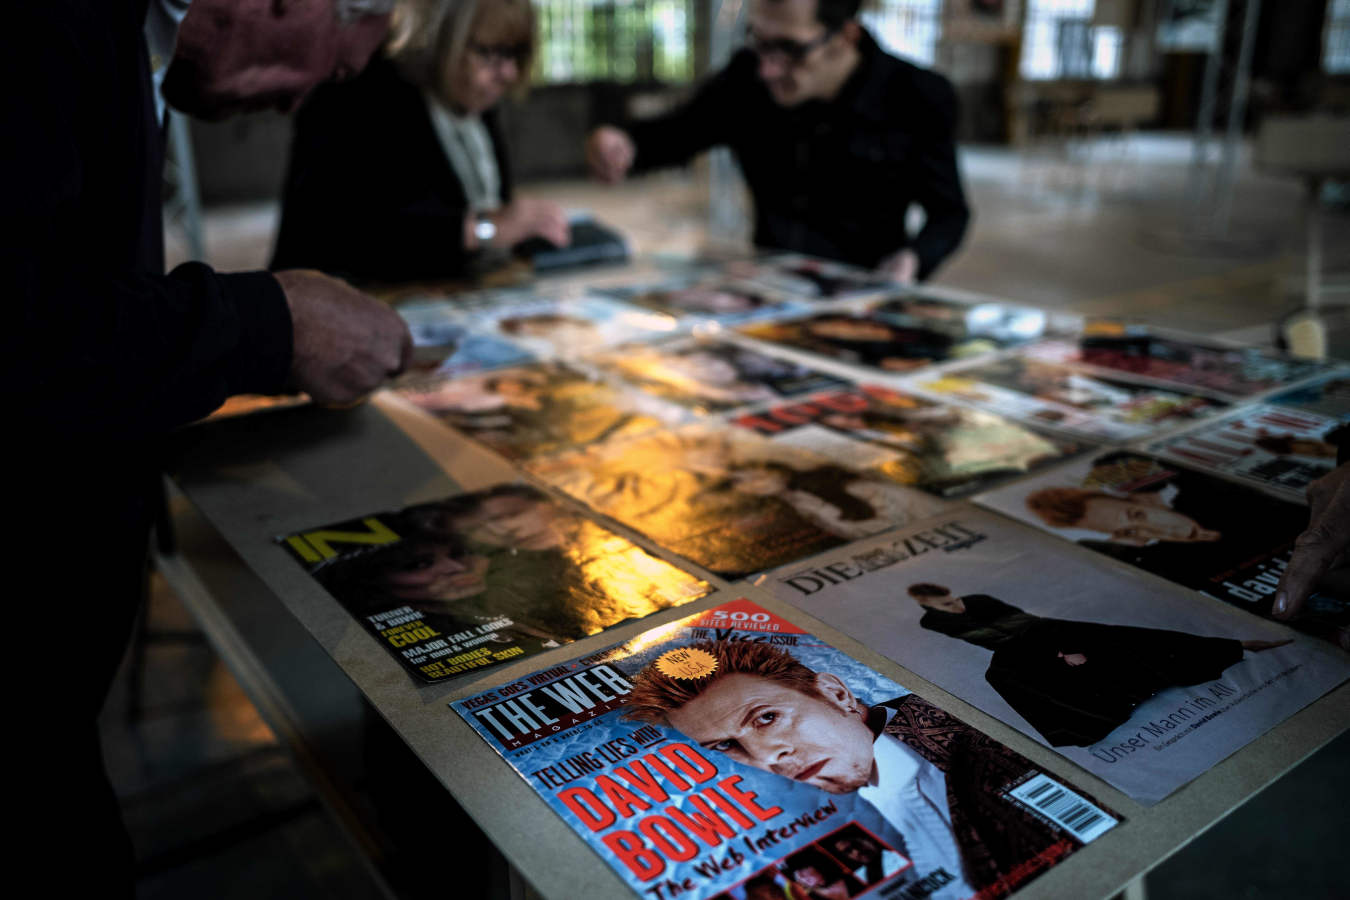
<point x="484" y="230"/>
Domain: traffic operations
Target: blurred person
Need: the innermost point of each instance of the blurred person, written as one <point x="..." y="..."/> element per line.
<point x="835" y="138"/>
<point x="402" y="174"/>
<point x="105" y="353"/>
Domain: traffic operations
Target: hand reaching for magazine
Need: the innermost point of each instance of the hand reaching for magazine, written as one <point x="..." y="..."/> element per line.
<point x="1319" y="549"/>
<point x="346" y="343"/>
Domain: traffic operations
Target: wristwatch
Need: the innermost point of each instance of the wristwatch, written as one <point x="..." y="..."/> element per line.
<point x="484" y="229"/>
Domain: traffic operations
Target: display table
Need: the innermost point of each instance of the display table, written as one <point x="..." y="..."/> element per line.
<point x="238" y="483"/>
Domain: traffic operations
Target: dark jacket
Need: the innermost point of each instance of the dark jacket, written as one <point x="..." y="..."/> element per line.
<point x="369" y="193"/>
<point x="834" y="178"/>
<point x="996" y="837"/>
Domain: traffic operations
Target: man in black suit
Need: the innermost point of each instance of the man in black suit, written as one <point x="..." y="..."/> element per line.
<point x="104" y="353"/>
<point x="835" y="138"/>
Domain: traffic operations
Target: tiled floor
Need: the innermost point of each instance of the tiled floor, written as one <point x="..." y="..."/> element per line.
<point x="218" y="810"/>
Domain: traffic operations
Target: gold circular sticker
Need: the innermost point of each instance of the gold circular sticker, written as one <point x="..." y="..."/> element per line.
<point x="687" y="663"/>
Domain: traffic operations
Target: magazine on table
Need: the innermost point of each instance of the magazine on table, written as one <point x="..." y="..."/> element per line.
<point x="946" y="450"/>
<point x="709" y="375"/>
<point x="443" y="343"/>
<point x="732" y="754"/>
<point x="723" y="300"/>
<point x="996" y="323"/>
<point x="867" y="339"/>
<point x="527" y="411"/>
<point x="1066" y="398"/>
<point x="1145" y="689"/>
<point x="730" y="500"/>
<point x="1282" y="448"/>
<point x="1327" y="396"/>
<point x="569" y="323"/>
<point x="1224" y="539"/>
<point x="807" y="277"/>
<point x="1231" y="371"/>
<point x="481" y="578"/>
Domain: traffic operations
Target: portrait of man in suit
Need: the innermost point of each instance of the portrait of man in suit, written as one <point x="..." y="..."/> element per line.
<point x="938" y="782"/>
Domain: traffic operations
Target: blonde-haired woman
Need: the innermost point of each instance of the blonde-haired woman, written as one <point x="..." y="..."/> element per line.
<point x="402" y="174"/>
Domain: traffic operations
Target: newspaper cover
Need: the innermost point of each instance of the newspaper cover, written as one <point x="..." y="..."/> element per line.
<point x="1063" y="397"/>
<point x="568" y="324"/>
<point x="733" y="755"/>
<point x="946" y="450"/>
<point x="1328" y="396"/>
<point x="476" y="579"/>
<point x="808" y="277"/>
<point x="708" y="375"/>
<point x="1202" y="531"/>
<point x="444" y="345"/>
<point x="1231" y="371"/>
<point x="730" y="500"/>
<point x="723" y="300"/>
<point x="1145" y="690"/>
<point x="1278" y="447"/>
<point x="527" y="411"/>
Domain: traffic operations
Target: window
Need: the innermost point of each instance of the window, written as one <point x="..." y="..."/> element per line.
<point x="1060" y="41"/>
<point x="1336" y="50"/>
<point x="615" y="40"/>
<point x="908" y="28"/>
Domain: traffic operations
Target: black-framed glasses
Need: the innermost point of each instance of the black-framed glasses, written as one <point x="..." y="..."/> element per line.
<point x="499" y="54"/>
<point x="786" y="50"/>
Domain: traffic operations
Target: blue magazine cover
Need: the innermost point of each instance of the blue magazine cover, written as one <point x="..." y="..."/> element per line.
<point x="733" y="755"/>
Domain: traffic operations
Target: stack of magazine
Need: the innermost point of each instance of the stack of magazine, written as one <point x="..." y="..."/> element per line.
<point x="1076" y="527"/>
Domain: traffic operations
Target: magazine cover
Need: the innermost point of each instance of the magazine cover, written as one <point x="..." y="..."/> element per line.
<point x="570" y="324"/>
<point x="1233" y="371"/>
<point x="865" y="339"/>
<point x="946" y="450"/>
<point x="730" y="500"/>
<point x="1278" y="447"/>
<point x="996" y="324"/>
<point x="477" y="579"/>
<point x="528" y="411"/>
<point x="1146" y="691"/>
<point x="709" y="375"/>
<point x="444" y="345"/>
<point x="1202" y="531"/>
<point x="1329" y="396"/>
<point x="1062" y="397"/>
<point x="724" y="300"/>
<point x="808" y="277"/>
<point x="731" y="754"/>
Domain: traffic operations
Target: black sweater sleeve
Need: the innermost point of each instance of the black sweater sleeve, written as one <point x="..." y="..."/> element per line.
<point x="705" y="121"/>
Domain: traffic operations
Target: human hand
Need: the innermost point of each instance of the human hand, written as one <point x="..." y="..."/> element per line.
<point x="902" y="266"/>
<point x="1319" y="548"/>
<point x="1073" y="659"/>
<point x="609" y="153"/>
<point x="345" y="342"/>
<point x="526" y="217"/>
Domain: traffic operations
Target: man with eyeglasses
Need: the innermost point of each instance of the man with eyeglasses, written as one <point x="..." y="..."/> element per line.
<point x="835" y="138"/>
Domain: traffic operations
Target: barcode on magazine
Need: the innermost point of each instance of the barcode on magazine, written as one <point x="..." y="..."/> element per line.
<point x="1062" y="806"/>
